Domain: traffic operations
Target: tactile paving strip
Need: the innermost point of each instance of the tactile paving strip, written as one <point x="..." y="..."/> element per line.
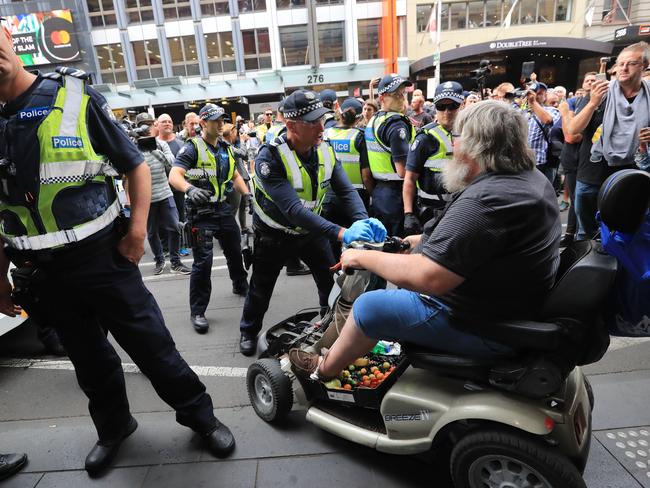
<point x="631" y="447"/>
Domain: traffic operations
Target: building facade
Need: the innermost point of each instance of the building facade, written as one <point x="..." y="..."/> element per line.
<point x="553" y="33"/>
<point x="181" y="52"/>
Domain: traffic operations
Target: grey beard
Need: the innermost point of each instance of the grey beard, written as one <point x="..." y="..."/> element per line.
<point x="455" y="175"/>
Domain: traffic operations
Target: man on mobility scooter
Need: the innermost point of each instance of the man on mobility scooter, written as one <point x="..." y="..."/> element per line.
<point x="492" y="255"/>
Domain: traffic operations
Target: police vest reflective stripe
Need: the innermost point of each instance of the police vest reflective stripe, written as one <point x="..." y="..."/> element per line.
<point x="343" y="141"/>
<point x="300" y="181"/>
<point x="206" y="166"/>
<point x="379" y="155"/>
<point x="274" y="132"/>
<point x="67" y="160"/>
<point x="435" y="162"/>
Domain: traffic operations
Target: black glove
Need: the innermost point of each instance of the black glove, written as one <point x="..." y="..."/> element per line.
<point x="411" y="225"/>
<point x="249" y="202"/>
<point x="198" y="196"/>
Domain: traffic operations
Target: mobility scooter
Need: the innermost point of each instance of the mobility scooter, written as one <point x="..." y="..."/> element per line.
<point x="516" y="422"/>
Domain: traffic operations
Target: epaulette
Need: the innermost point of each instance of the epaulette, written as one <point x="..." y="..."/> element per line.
<point x="65" y="71"/>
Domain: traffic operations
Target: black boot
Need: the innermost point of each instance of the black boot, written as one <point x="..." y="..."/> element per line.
<point x="295" y="267"/>
<point x="10" y="464"/>
<point x="220" y="442"/>
<point x="102" y="454"/>
<point x="247" y="344"/>
<point x="200" y="323"/>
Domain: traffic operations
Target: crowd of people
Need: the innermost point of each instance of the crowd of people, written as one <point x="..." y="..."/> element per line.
<point x="467" y="182"/>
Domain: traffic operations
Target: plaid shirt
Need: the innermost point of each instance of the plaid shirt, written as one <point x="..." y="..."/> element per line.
<point x="536" y="139"/>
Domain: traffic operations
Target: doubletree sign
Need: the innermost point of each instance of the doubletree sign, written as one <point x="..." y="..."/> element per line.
<point x="44" y="37"/>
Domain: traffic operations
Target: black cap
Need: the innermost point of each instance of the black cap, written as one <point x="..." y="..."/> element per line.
<point x="144" y="118"/>
<point x="210" y="111"/>
<point x="303" y="105"/>
<point x="391" y="83"/>
<point x="449" y="90"/>
<point x="327" y="96"/>
<point x="352" y="104"/>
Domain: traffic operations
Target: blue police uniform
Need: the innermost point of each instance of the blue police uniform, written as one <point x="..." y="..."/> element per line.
<point x="272" y="246"/>
<point x="87" y="287"/>
<point x="217" y="223"/>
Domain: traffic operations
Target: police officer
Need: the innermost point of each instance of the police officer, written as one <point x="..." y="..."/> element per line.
<point x="330" y="101"/>
<point x="60" y="225"/>
<point x="292" y="175"/>
<point x="430" y="150"/>
<point x="349" y="147"/>
<point x="388" y="136"/>
<point x="209" y="165"/>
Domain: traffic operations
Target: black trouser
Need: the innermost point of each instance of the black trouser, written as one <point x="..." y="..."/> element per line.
<point x="572" y="220"/>
<point x="93" y="290"/>
<point x="223" y="227"/>
<point x="388" y="207"/>
<point x="270" y="252"/>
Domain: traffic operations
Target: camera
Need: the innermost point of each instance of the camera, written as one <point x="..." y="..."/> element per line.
<point x="142" y="131"/>
<point x="607" y="60"/>
<point x="482" y="71"/>
<point x="197" y="129"/>
<point x="520" y="93"/>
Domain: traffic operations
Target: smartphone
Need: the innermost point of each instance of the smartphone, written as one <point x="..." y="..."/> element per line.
<point x="527" y="69"/>
<point x="601" y="76"/>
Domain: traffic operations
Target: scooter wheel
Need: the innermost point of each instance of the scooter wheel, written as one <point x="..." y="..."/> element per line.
<point x="502" y="457"/>
<point x="269" y="390"/>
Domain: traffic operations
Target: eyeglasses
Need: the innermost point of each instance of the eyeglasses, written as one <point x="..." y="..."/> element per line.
<point x="442" y="107"/>
<point x="269" y="114"/>
<point x="631" y="64"/>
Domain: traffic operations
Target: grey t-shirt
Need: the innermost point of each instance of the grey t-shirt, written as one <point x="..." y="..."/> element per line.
<point x="502" y="235"/>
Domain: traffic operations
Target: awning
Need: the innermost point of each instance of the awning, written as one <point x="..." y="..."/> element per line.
<point x="572" y="43"/>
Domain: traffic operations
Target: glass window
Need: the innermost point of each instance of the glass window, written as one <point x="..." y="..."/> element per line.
<point x="294" y="45"/>
<point x="111" y="63"/>
<point x="545" y="10"/>
<point x="185" y="60"/>
<point x="257" y="49"/>
<point x="147" y="59"/>
<point x="283" y="4"/>
<point x="401" y="37"/>
<point x="368" y="38"/>
<point x="445" y="16"/>
<point x="101" y="13"/>
<point x="251" y="6"/>
<point x="528" y="11"/>
<point x="493" y="13"/>
<point x="514" y="18"/>
<point x="331" y="42"/>
<point x="458" y="15"/>
<point x="176" y="9"/>
<point x="329" y="2"/>
<point x="562" y="10"/>
<point x="475" y="15"/>
<point x="139" y="10"/>
<point x="221" y="52"/>
<point x="214" y="8"/>
<point x="614" y="11"/>
<point x="423" y="14"/>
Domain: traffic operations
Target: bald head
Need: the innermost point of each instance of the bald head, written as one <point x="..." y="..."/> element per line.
<point x="165" y="126"/>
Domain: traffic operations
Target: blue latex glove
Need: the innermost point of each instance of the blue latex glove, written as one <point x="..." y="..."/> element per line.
<point x="378" y="230"/>
<point x="361" y="230"/>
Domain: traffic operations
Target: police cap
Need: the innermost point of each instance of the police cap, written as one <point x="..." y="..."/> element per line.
<point x="303" y="105"/>
<point x="449" y="90"/>
<point x="391" y="83"/>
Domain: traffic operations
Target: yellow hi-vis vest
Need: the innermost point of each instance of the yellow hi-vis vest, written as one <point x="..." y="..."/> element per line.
<point x="67" y="160"/>
<point x="343" y="141"/>
<point x="379" y="156"/>
<point x="207" y="167"/>
<point x="435" y="162"/>
<point x="301" y="182"/>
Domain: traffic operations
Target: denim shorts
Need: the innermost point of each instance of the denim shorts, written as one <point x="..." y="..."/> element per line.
<point x="402" y="315"/>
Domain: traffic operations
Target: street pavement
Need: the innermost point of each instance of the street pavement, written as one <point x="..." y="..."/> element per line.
<point x="44" y="413"/>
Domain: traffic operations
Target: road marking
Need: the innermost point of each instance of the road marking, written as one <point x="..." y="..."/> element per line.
<point x="173" y="275"/>
<point x="184" y="261"/>
<point x="64" y="365"/>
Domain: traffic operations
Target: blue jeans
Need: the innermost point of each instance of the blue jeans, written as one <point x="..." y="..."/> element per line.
<point x="164" y="215"/>
<point x="402" y="315"/>
<point x="586" y="207"/>
<point x="549" y="171"/>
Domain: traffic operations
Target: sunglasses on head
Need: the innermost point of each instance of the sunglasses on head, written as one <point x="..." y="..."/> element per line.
<point x="441" y="107"/>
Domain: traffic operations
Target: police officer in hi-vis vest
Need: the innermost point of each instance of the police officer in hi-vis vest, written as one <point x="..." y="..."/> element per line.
<point x="208" y="164"/>
<point x="77" y="257"/>
<point x="292" y="176"/>
<point x="349" y="146"/>
<point x="388" y="135"/>
<point x="431" y="149"/>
